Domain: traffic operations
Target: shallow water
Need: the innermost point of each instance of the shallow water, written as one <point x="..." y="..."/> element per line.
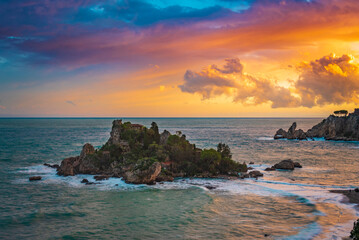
<point x="284" y="205"/>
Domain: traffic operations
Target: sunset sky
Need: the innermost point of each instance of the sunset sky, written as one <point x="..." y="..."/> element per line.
<point x="178" y="58"/>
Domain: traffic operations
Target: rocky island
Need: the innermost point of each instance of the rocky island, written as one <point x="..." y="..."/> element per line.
<point x="336" y="127"/>
<point x="142" y="155"/>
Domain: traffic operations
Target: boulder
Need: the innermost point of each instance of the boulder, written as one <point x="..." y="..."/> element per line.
<point x="255" y="174"/>
<point x="35" y="178"/>
<point x="147" y="176"/>
<point x="287" y="164"/>
<point x="84" y="180"/>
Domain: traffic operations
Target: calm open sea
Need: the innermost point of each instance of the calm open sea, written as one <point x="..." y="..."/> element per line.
<point x="282" y="204"/>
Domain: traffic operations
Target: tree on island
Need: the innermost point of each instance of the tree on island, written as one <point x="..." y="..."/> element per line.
<point x="341" y="113"/>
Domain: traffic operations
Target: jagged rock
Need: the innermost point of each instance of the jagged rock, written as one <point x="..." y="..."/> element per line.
<point x="251" y="163"/>
<point x="255" y="174"/>
<point x="84" y="180"/>
<point x="147" y="176"/>
<point x="287" y="164"/>
<point x="56" y="166"/>
<point x="35" y="178"/>
<point x="332" y="128"/>
<point x="86" y="150"/>
<point x="280" y="134"/>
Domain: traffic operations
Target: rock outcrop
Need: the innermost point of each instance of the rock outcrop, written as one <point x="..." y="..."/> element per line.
<point x="337" y="128"/>
<point x="141" y="155"/>
<point x="147" y="176"/>
<point x="287" y="164"/>
<point x="292" y="133"/>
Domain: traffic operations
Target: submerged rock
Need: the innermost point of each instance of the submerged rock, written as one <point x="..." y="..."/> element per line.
<point x="35" y="178"/>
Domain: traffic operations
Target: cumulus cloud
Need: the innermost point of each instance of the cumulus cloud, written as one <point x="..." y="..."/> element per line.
<point x="231" y="80"/>
<point x="330" y="79"/>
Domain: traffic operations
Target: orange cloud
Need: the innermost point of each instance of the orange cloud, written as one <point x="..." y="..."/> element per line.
<point x="231" y="80"/>
<point x="328" y="80"/>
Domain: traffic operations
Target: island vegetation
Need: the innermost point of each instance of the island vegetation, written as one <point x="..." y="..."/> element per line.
<point x="143" y="155"/>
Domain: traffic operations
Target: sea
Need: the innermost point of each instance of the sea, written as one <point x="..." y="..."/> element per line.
<point x="280" y="205"/>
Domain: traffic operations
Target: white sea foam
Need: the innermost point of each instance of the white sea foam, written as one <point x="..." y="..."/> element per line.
<point x="305" y="193"/>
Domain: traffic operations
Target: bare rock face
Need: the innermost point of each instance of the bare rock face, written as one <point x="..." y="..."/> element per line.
<point x="115" y="132"/>
<point x="80" y="164"/>
<point x="67" y="167"/>
<point x="147" y="176"/>
<point x="291" y="134"/>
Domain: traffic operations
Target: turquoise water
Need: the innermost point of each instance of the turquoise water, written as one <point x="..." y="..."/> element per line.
<point x="285" y="205"/>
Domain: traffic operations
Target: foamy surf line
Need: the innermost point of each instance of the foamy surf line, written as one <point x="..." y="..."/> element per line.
<point x="309" y="194"/>
<point x="318" y="194"/>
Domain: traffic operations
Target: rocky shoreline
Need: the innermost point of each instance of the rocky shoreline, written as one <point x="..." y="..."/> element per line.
<point x="335" y="128"/>
<point x="142" y="155"/>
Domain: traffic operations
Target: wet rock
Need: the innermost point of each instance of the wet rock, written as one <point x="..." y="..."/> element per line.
<point x="210" y="187"/>
<point x="101" y="177"/>
<point x="56" y="166"/>
<point x="84" y="180"/>
<point x="287" y="164"/>
<point x="269" y="169"/>
<point x="255" y="174"/>
<point x="250" y="168"/>
<point x="251" y="163"/>
<point x="147" y="176"/>
<point x="291" y="134"/>
<point x="35" y="178"/>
